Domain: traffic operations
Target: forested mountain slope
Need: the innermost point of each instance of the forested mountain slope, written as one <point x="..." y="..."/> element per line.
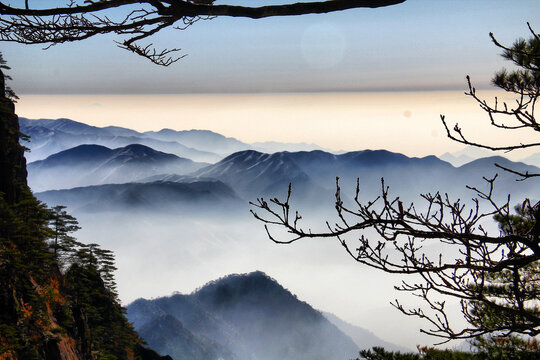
<point x="57" y="296"/>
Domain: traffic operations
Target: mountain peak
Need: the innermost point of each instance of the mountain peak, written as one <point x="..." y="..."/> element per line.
<point x="246" y="289"/>
<point x="139" y="150"/>
<point x="62" y="124"/>
<point x="78" y="153"/>
<point x="245" y="280"/>
<point x="263" y="320"/>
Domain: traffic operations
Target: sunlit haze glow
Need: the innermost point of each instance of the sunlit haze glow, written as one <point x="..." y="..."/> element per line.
<point x="406" y="122"/>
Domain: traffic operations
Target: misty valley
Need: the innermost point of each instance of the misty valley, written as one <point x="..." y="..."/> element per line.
<point x="197" y="272"/>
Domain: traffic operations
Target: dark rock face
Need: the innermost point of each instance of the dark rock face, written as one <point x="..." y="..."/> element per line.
<point x="149" y="354"/>
<point x="12" y="161"/>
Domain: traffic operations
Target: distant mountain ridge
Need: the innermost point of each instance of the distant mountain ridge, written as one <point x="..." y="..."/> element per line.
<point x="256" y="174"/>
<point x="51" y="136"/>
<point x="466" y="155"/>
<point x="204" y="140"/>
<point x="248" y="316"/>
<point x="251" y="174"/>
<point x="314" y="173"/>
<point x="86" y="165"/>
<point x="48" y="137"/>
<point x="158" y="196"/>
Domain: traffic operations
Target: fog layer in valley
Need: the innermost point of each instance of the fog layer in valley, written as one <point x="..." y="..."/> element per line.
<point x="175" y="227"/>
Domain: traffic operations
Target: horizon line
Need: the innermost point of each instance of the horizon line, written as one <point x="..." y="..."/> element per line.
<point x="269" y="92"/>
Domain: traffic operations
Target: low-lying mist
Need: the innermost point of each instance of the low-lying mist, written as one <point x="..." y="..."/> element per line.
<point x="159" y="253"/>
<point x="175" y="233"/>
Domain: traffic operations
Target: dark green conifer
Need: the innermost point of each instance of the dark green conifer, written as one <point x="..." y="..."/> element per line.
<point x="63" y="245"/>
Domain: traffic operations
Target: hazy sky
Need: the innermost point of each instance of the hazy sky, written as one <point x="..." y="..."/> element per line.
<point x="406" y="122"/>
<point x="418" y="45"/>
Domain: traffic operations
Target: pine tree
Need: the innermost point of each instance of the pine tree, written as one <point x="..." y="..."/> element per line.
<point x="62" y="243"/>
<point x="5" y="91"/>
<point x="517" y="287"/>
<point x="44" y="311"/>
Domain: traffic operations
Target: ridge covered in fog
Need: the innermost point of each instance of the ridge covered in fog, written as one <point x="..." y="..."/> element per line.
<point x="247" y="316"/>
<point x="92" y="164"/>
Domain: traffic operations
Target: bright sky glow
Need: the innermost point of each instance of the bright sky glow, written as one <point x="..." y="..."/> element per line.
<point x="406" y="122"/>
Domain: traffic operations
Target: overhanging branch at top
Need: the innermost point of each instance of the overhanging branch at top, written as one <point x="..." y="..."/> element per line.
<point x="79" y="20"/>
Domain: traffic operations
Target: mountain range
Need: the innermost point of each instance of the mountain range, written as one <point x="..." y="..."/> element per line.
<point x="157" y="196"/>
<point x="241" y="317"/>
<point x="52" y="136"/>
<point x="249" y="174"/>
<point x="142" y="176"/>
<point x="86" y="165"/>
<point x="313" y="174"/>
<point x="48" y="137"/>
<point x="246" y="174"/>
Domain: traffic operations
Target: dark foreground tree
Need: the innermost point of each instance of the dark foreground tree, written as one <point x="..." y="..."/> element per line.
<point x="426" y="353"/>
<point x="495" y="277"/>
<point x="5" y="90"/>
<point x="62" y="244"/>
<point x="32" y="22"/>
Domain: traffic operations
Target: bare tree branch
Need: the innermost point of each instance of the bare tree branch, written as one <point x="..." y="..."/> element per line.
<point x="79" y="20"/>
<point x="524" y="84"/>
<point x="475" y="255"/>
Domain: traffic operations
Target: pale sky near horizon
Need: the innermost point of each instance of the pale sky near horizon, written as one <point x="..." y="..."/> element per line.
<point x="423" y="47"/>
<point x="405" y="122"/>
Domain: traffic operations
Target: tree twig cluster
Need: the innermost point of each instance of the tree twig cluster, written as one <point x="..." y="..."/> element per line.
<point x="463" y="268"/>
<point x="520" y="114"/>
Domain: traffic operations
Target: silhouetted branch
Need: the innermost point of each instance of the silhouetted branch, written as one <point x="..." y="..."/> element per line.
<point x="495" y="278"/>
<point x="403" y="232"/>
<point x="524" y="175"/>
<point x="79" y="20"/>
<point x="524" y="84"/>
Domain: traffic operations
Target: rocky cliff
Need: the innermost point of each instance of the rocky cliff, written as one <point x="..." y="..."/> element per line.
<point x="50" y="308"/>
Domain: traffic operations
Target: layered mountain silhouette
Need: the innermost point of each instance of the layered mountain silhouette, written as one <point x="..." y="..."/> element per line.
<point x="313" y="174"/>
<point x="94" y="164"/>
<point x="248" y="316"/>
<point x="158" y="196"/>
<point x="51" y="136"/>
<point x="257" y="174"/>
<point x="275" y="146"/>
<point x="249" y="173"/>
<point x="203" y="140"/>
<point x="466" y="155"/>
